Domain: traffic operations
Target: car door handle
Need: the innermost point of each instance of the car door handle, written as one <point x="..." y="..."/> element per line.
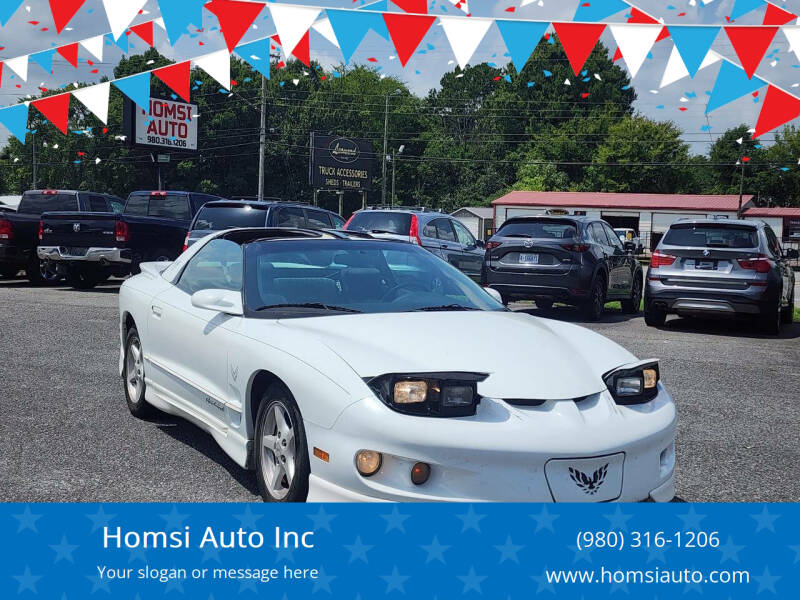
<point x="444" y="246"/>
<point x="157" y="311"/>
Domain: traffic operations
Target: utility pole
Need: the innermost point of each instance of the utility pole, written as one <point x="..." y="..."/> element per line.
<point x="741" y="189"/>
<point x="262" y="148"/>
<point x="35" y="168"/>
<point x="385" y="142"/>
<point x="394" y="169"/>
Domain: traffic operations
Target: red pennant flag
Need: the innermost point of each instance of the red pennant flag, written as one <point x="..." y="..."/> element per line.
<point x="144" y="31"/>
<point x="777" y="16"/>
<point x="1" y="74"/>
<point x="413" y="6"/>
<point x="663" y="35"/>
<point x="177" y="77"/>
<point x="63" y="11"/>
<point x="750" y="44"/>
<point x="407" y="32"/>
<point x="578" y="40"/>
<point x="778" y="108"/>
<point x="617" y="55"/>
<point x="302" y="51"/>
<point x="70" y="53"/>
<point x="235" y="18"/>
<point x="638" y="16"/>
<point x="56" y="109"/>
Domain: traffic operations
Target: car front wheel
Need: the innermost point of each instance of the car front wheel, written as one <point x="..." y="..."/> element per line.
<point x="133" y="376"/>
<point x="593" y="309"/>
<point x="654" y="317"/>
<point x="769" y="321"/>
<point x="631" y="306"/>
<point x="281" y="452"/>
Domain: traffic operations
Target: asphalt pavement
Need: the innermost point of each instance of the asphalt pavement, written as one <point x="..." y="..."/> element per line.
<point x="68" y="436"/>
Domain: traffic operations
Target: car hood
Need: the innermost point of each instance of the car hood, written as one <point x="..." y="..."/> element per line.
<point x="525" y="357"/>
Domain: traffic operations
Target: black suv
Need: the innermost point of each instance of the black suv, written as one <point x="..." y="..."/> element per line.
<point x="574" y="260"/>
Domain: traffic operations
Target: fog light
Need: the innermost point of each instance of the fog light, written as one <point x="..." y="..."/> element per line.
<point x="410" y="392"/>
<point x="368" y="462"/>
<point x="629" y="386"/>
<point x="457" y="395"/>
<point x="420" y="473"/>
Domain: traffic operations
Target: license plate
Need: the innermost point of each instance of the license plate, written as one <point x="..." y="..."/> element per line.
<point x="529" y="259"/>
<point x="706" y="264"/>
<point x="74" y="251"/>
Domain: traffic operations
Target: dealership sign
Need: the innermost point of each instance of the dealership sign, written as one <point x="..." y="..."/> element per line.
<point x="170" y="125"/>
<point x="340" y="163"/>
<point x="791" y="228"/>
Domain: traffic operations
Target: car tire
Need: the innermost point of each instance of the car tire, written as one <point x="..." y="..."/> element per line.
<point x="654" y="317"/>
<point x="769" y="321"/>
<point x="544" y="304"/>
<point x="133" y="376"/>
<point x="788" y="312"/>
<point x="593" y="308"/>
<point x="8" y="272"/>
<point x="40" y="274"/>
<point x="631" y="306"/>
<point x="85" y="279"/>
<point x="281" y="450"/>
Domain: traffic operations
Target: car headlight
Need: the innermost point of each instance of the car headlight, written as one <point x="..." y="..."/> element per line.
<point x="633" y="384"/>
<point x="429" y="394"/>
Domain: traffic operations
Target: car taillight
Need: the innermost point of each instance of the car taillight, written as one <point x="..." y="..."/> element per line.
<point x="575" y="247"/>
<point x="41" y="230"/>
<point x="413" y="231"/>
<point x="158" y="193"/>
<point x="6" y="230"/>
<point x="121" y="231"/>
<point x="492" y="245"/>
<point x="185" y="243"/>
<point x="660" y="259"/>
<point x="761" y="264"/>
<point x="50" y="192"/>
<point x="348" y="221"/>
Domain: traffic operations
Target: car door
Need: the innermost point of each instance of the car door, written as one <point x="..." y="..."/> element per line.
<point x="603" y="252"/>
<point x="471" y="254"/>
<point x="188" y="344"/>
<point x="448" y="243"/>
<point x="623" y="263"/>
<point x="787" y="275"/>
<point x="318" y="219"/>
<point x="290" y="216"/>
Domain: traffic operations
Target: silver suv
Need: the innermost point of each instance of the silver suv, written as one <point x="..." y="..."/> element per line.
<point x="708" y="267"/>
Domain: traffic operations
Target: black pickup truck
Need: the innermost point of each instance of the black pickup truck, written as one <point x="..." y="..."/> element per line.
<point x="87" y="249"/>
<point x="19" y="230"/>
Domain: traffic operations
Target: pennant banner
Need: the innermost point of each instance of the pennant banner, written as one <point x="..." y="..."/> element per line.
<point x="578" y="40"/>
<point x="597" y="10"/>
<point x="235" y="18"/>
<point x="55" y="109"/>
<point x="407" y="32"/>
<point x="178" y="78"/>
<point x="19" y="65"/>
<point x="120" y="14"/>
<point x="777" y="16"/>
<point x="178" y="15"/>
<point x="634" y="41"/>
<point x="95" y="98"/>
<point x="63" y="11"/>
<point x="69" y="53"/>
<point x="732" y="83"/>
<point x="7" y="9"/>
<point x="44" y="60"/>
<point x="521" y="39"/>
<point x="94" y="46"/>
<point x="351" y="27"/>
<point x="778" y="108"/>
<point x="217" y="65"/>
<point x="676" y="70"/>
<point x="144" y="31"/>
<point x="256" y="54"/>
<point x="464" y="36"/>
<point x="412" y="6"/>
<point x="15" y="119"/>
<point x="137" y="88"/>
<point x="693" y="44"/>
<point x="742" y="7"/>
<point x="323" y="27"/>
<point x="292" y="23"/>
<point x="750" y="44"/>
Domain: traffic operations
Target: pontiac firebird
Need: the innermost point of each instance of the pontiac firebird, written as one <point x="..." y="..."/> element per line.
<point x="360" y="369"/>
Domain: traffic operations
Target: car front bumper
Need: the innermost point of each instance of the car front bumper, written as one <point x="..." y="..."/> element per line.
<point x="504" y="453"/>
<point x="98" y="255"/>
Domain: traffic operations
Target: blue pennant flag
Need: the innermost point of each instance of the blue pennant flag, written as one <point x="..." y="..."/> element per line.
<point x="381" y="5"/>
<point x="693" y="43"/>
<point x="256" y="54"/>
<point x="7" y="10"/>
<point x="731" y="83"/>
<point x="137" y="88"/>
<point x="597" y="10"/>
<point x="350" y="28"/>
<point x="742" y="7"/>
<point x="44" y="59"/>
<point x="15" y="118"/>
<point x="521" y="38"/>
<point x="121" y="43"/>
<point x="179" y="14"/>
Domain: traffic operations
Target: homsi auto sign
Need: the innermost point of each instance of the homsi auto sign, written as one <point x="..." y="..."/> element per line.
<point x="169" y="125"/>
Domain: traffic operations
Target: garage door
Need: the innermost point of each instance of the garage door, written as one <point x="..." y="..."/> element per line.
<point x="662" y="221"/>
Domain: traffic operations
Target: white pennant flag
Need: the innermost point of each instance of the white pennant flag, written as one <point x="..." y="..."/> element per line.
<point x="218" y="65"/>
<point x="292" y="22"/>
<point x="19" y="65"/>
<point x="464" y="35"/>
<point x="634" y="41"/>
<point x="95" y="98"/>
<point x="324" y="28"/>
<point x="676" y="69"/>
<point x="120" y="13"/>
<point x="464" y="6"/>
<point x="94" y="46"/>
<point x="792" y="33"/>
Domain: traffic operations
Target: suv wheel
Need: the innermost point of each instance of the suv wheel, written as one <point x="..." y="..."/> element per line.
<point x="41" y="272"/>
<point x="631" y="306"/>
<point x="85" y="278"/>
<point x="544" y="304"/>
<point x="654" y="317"/>
<point x="593" y="309"/>
<point x="769" y="321"/>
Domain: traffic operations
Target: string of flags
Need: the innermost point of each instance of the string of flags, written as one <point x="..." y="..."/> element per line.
<point x="405" y="30"/>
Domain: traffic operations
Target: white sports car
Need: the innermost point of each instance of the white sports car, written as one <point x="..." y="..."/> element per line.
<point x="360" y="369"/>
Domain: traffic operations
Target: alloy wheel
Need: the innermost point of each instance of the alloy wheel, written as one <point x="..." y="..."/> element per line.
<point x="279" y="452"/>
<point x="134" y="371"/>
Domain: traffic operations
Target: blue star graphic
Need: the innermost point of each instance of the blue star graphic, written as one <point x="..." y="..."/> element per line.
<point x="471" y="581"/>
<point x="322" y="520"/>
<point x="543" y="585"/>
<point x="394" y="520"/>
<point x="691" y="520"/>
<point x="27" y="581"/>
<point x="284" y="554"/>
<point x="730" y="551"/>
<point x="64" y="550"/>
<point x="323" y="582"/>
<point x="656" y="554"/>
<point x="174" y="520"/>
<point x="544" y="520"/>
<point x="358" y="550"/>
<point x="395" y="581"/>
<point x="99" y="519"/>
<point x="98" y="584"/>
<point x="471" y="520"/>
<point x="137" y="554"/>
<point x="619" y="520"/>
<point x="580" y="555"/>
<point x="508" y="551"/>
<point x="176" y="585"/>
<point x="618" y="587"/>
<point x="796" y="550"/>
<point x="765" y="520"/>
<point x="27" y="520"/>
<point x="247" y="519"/>
<point x="435" y="551"/>
<point x="691" y="586"/>
<point x="210" y="553"/>
<point x="766" y="582"/>
<point x="247" y="585"/>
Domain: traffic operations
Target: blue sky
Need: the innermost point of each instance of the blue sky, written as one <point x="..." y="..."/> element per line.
<point x="425" y="70"/>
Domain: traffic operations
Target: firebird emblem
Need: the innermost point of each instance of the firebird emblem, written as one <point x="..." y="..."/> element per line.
<point x="592" y="484"/>
<point x="235" y="372"/>
<point x="76" y="227"/>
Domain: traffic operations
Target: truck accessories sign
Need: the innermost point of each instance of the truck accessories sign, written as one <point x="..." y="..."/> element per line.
<point x="340" y="163"/>
<point x="169" y="125"/>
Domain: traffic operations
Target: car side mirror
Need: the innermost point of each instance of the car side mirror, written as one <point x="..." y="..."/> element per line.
<point x="791" y="254"/>
<point x="480" y="244"/>
<point x="494" y="294"/>
<point x="228" y="302"/>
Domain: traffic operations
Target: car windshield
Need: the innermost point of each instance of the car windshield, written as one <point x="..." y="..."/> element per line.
<point x="384" y="222"/>
<point x="712" y="236"/>
<point x="544" y="229"/>
<point x="302" y="278"/>
<point x="227" y="217"/>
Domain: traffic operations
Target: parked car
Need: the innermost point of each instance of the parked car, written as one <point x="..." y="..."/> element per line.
<point x="437" y="232"/>
<point x="226" y="214"/>
<point x="19" y="230"/>
<point x="345" y="369"/>
<point x="630" y="239"/>
<point x="574" y="260"/>
<point x="87" y="249"/>
<point x="727" y="268"/>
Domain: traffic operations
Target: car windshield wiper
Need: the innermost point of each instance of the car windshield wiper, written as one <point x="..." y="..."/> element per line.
<point x="446" y="307"/>
<point x="384" y="231"/>
<point x="519" y="235"/>
<point x="319" y="305"/>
